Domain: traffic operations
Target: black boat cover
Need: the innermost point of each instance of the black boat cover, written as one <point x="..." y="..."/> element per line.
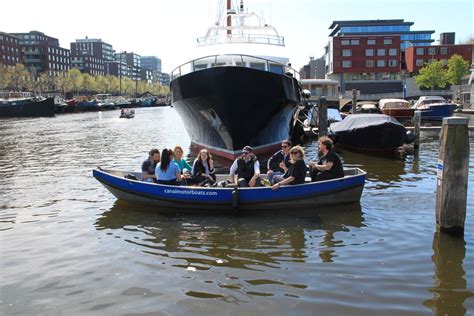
<point x="362" y="121"/>
<point x="376" y="132"/>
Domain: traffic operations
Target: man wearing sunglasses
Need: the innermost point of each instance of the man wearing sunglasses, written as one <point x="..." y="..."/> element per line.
<point x="245" y="171"/>
<point x="279" y="163"/>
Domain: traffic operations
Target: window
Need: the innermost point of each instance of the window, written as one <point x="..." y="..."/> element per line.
<point x="443" y="50"/>
<point x="380" y="63"/>
<point x="431" y="50"/>
<point x="369" y="63"/>
<point x="381" y="52"/>
<point x="387" y="41"/>
<point x="419" y="62"/>
<point x="345" y="42"/>
<point x="393" y="52"/>
<point x="346" y="52"/>
<point x="346" y="64"/>
<point x="355" y="42"/>
<point x="420" y="51"/>
<point x="392" y="63"/>
<point x="369" y="52"/>
<point x="371" y="42"/>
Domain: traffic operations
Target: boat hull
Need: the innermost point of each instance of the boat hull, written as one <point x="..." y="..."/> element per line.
<point x="400" y="114"/>
<point x="201" y="199"/>
<point x="227" y="108"/>
<point x="27" y="108"/>
<point x="437" y="112"/>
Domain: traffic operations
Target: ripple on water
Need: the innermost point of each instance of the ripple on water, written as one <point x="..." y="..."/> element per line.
<point x="67" y="245"/>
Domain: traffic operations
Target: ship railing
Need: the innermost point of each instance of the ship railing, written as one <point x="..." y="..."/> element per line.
<point x="239" y="39"/>
<point x="234" y="60"/>
<point x="9" y="95"/>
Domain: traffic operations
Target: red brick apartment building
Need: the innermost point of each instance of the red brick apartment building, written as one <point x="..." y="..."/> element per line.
<point x="10" y="50"/>
<point x="417" y="56"/>
<point x="41" y="53"/>
<point x="369" y="55"/>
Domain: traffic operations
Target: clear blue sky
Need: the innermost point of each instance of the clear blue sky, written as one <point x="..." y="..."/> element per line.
<point x="169" y="28"/>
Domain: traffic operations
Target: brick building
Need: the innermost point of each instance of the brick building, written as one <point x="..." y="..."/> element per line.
<point x="90" y="55"/>
<point x="42" y="53"/>
<point x="10" y="50"/>
<point x="368" y="55"/>
<point x="417" y="57"/>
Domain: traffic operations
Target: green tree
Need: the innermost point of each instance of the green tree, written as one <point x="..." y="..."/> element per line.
<point x="101" y="84"/>
<point x="128" y="86"/>
<point x="88" y="84"/>
<point x="75" y="79"/>
<point x="433" y="75"/>
<point x="113" y="84"/>
<point x="4" y="77"/>
<point x="457" y="68"/>
<point x="44" y="83"/>
<point x="63" y="84"/>
<point x="19" y="78"/>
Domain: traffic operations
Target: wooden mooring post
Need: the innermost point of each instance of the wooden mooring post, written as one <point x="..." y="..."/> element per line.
<point x="416" y="124"/>
<point x="354" y="101"/>
<point x="452" y="166"/>
<point x="323" y="117"/>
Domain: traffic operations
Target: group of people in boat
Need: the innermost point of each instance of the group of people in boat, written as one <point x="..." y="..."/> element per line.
<point x="286" y="167"/>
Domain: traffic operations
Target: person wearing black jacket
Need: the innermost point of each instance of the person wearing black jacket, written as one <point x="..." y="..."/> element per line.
<point x="296" y="173"/>
<point x="279" y="163"/>
<point x="245" y="171"/>
<point x="203" y="169"/>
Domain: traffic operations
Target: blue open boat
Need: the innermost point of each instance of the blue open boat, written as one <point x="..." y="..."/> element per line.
<point x="311" y="194"/>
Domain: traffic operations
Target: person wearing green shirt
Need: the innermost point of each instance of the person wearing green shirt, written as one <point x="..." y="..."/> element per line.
<point x="178" y="159"/>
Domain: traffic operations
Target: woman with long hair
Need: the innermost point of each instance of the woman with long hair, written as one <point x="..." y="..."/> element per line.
<point x="297" y="171"/>
<point x="179" y="160"/>
<point x="203" y="169"/>
<point x="168" y="172"/>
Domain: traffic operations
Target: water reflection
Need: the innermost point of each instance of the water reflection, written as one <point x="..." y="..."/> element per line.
<point x="449" y="291"/>
<point x="253" y="242"/>
<point x="379" y="169"/>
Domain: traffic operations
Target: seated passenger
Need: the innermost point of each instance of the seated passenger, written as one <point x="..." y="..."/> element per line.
<point x="278" y="163"/>
<point x="167" y="172"/>
<point x="178" y="159"/>
<point x="296" y="172"/>
<point x="203" y="169"/>
<point x="329" y="165"/>
<point x="149" y="165"/>
<point x="245" y="171"/>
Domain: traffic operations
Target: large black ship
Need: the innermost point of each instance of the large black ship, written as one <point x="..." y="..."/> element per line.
<point x="26" y="106"/>
<point x="228" y="99"/>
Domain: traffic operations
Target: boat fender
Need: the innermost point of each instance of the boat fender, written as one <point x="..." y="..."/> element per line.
<point x="235" y="198"/>
<point x="409" y="137"/>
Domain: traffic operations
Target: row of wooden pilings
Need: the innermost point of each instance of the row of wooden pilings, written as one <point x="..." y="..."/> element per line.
<point x="452" y="168"/>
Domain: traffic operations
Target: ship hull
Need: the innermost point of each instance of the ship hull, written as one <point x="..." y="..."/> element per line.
<point x="27" y="108"/>
<point x="227" y="108"/>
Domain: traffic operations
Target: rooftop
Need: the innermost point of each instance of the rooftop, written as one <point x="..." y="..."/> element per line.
<point x="369" y="22"/>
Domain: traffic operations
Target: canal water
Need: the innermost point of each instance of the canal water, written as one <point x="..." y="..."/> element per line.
<point x="68" y="247"/>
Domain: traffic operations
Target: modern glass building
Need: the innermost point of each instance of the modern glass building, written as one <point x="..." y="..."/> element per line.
<point x="383" y="27"/>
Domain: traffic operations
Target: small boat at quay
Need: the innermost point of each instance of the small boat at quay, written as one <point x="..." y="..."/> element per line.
<point x="24" y="105"/>
<point x="377" y="133"/>
<point x="397" y="108"/>
<point x="433" y="108"/>
<point x="202" y="199"/>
